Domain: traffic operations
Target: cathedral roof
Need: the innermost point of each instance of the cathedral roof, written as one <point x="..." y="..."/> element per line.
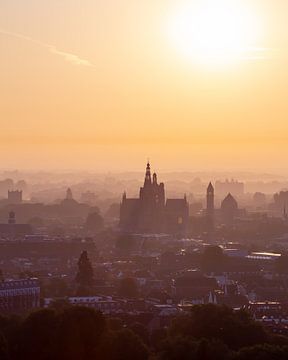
<point x="229" y="202"/>
<point x="176" y="204"/>
<point x="210" y="187"/>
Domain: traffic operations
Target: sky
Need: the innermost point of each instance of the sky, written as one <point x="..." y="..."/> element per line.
<point x="104" y="85"/>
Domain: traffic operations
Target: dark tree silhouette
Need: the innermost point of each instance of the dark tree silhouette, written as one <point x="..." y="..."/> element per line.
<point x="124" y="345"/>
<point x="80" y="333"/>
<point x="94" y="222"/>
<point x="180" y="348"/>
<point x="36" y="336"/>
<point x="85" y="271"/>
<point x="3" y="347"/>
<point x="235" y="329"/>
<point x="262" y="352"/>
<point x="128" y="288"/>
<point x="213" y="259"/>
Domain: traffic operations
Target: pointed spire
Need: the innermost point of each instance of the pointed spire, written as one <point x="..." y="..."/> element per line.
<point x="155" y="178"/>
<point x="210" y="187"/>
<point x="69" y="195"/>
<point x="147" y="174"/>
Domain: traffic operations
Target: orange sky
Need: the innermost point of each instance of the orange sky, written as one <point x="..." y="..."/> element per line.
<point x="99" y="85"/>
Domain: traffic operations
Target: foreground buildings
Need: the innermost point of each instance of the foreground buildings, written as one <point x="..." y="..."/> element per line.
<point x="18" y="296"/>
<point x="151" y="212"/>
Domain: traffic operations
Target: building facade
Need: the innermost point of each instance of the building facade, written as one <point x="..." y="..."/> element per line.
<point x="19" y="296"/>
<point x="151" y="212"/>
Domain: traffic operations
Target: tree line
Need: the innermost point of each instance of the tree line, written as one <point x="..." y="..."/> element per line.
<point x="208" y="332"/>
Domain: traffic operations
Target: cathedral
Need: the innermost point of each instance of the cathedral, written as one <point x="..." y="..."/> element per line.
<point x="151" y="212"/>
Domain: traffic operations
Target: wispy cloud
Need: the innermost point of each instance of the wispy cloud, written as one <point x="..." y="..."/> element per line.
<point x="69" y="57"/>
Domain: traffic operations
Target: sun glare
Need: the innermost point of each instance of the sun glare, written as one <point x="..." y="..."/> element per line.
<point x="216" y="32"/>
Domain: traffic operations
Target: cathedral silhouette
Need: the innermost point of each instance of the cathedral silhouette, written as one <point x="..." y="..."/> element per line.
<point x="151" y="213"/>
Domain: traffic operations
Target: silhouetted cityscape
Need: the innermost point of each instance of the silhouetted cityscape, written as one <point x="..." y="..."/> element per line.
<point x="148" y="260"/>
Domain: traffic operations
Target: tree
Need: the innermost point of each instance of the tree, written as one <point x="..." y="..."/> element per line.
<point x="94" y="222"/>
<point x="80" y="333"/>
<point x="128" y="288"/>
<point x="85" y="271"/>
<point x="125" y="243"/>
<point x="262" y="352"/>
<point x="123" y="345"/>
<point x="57" y="287"/>
<point x="3" y="347"/>
<point x="37" y="336"/>
<point x="184" y="348"/>
<point x="59" y="304"/>
<point x="140" y="330"/>
<point x="235" y="329"/>
<point x="213" y="259"/>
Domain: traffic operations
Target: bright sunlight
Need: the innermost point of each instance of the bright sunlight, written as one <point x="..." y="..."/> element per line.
<point x="217" y="32"/>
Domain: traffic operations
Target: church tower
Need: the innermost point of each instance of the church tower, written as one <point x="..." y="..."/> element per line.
<point x="147" y="180"/>
<point x="210" y="199"/>
<point x="210" y="207"/>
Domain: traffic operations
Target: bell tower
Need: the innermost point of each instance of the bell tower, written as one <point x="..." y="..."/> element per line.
<point x="210" y="207"/>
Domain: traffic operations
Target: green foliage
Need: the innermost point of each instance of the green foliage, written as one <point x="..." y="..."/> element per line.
<point x="213" y="259"/>
<point x="125" y="243"/>
<point x="3" y="347"/>
<point x="124" y="345"/>
<point x="94" y="222"/>
<point x="262" y="352"/>
<point x="56" y="287"/>
<point x="180" y="348"/>
<point x="84" y="275"/>
<point x="59" y="304"/>
<point x="235" y="329"/>
<point x="128" y="288"/>
<point x="73" y="333"/>
<point x="36" y="336"/>
<point x="141" y="331"/>
<point x="79" y="333"/>
<point x="115" y="324"/>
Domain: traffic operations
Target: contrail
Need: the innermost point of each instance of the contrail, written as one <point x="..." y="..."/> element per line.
<point x="71" y="58"/>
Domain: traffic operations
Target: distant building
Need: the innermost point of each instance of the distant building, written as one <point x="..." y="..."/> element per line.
<point x="233" y="187"/>
<point x="14" y="197"/>
<point x="105" y="304"/>
<point x="229" y="209"/>
<point x="210" y="209"/>
<point x="88" y="197"/>
<point x="69" y="195"/>
<point x="12" y="229"/>
<point x="19" y="296"/>
<point x="151" y="213"/>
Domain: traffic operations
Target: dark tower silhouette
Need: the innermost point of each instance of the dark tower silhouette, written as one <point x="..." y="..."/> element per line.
<point x="69" y="195"/>
<point x="210" y="207"/>
<point x="229" y="209"/>
<point x="12" y="218"/>
<point x="151" y="212"/>
<point x="147" y="180"/>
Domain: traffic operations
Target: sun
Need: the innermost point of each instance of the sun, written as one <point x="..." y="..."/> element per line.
<point x="216" y="31"/>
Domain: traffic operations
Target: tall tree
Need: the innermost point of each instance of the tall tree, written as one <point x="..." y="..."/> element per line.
<point x="94" y="222"/>
<point x="85" y="274"/>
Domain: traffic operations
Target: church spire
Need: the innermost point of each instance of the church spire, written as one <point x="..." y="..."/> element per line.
<point x="147" y="174"/>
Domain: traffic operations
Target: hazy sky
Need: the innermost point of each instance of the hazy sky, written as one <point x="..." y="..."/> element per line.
<point x="102" y="85"/>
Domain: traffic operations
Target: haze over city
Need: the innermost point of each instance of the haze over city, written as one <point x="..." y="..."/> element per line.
<point x="143" y="180"/>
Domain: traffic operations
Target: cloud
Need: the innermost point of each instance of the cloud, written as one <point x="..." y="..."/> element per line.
<point x="69" y="57"/>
